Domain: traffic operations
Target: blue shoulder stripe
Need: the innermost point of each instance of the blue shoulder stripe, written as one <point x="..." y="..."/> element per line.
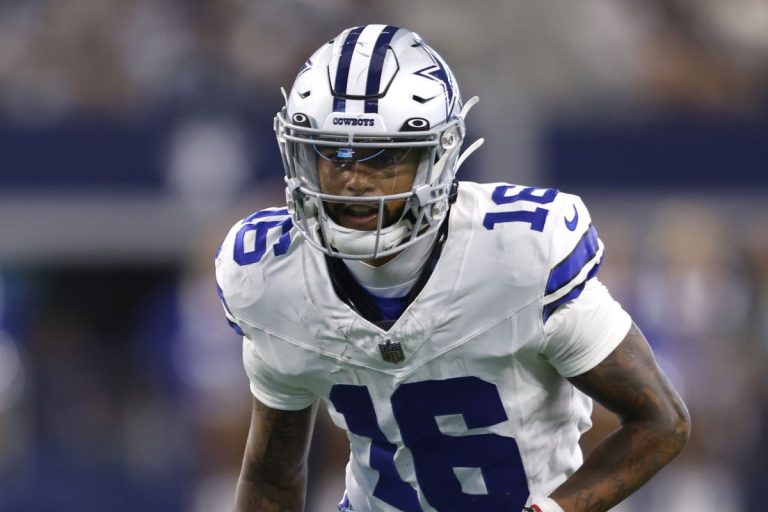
<point x="572" y="264"/>
<point x="373" y="82"/>
<point x="235" y="327"/>
<point x="342" y="71"/>
<point x="550" y="308"/>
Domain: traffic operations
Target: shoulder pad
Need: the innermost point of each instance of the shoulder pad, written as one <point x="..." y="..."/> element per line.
<point x="248" y="251"/>
<point x="548" y="232"/>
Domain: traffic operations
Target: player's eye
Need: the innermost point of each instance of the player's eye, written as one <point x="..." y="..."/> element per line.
<point x="384" y="159"/>
<point x="381" y="160"/>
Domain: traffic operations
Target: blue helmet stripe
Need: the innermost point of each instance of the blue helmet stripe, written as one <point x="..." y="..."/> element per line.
<point x="570" y="267"/>
<point x="342" y="71"/>
<point x="373" y="81"/>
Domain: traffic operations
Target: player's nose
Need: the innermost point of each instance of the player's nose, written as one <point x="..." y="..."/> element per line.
<point x="359" y="182"/>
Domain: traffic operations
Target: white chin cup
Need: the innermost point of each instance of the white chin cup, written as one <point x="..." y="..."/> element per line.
<point x="360" y="243"/>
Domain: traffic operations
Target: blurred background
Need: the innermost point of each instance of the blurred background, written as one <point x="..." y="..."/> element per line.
<point x="133" y="133"/>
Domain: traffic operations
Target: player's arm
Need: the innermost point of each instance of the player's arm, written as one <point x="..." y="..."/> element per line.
<point x="274" y="473"/>
<point x="655" y="427"/>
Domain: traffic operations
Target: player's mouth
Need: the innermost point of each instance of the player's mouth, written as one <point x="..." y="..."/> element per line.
<point x="361" y="216"/>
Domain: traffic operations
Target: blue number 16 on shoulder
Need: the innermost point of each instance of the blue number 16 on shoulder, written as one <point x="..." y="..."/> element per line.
<point x="535" y="218"/>
<point x="280" y="220"/>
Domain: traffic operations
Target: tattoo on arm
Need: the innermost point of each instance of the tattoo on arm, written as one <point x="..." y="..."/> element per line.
<point x="273" y="476"/>
<point x="655" y="428"/>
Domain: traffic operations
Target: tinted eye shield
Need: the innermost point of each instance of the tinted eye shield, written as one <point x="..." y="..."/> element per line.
<point x="322" y="143"/>
<point x="377" y="160"/>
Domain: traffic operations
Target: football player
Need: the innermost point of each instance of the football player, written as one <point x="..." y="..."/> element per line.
<point x="457" y="331"/>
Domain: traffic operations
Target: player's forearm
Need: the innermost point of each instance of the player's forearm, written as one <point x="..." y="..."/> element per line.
<point x="274" y="473"/>
<point x="654" y="428"/>
<point x="622" y="463"/>
<point x="255" y="494"/>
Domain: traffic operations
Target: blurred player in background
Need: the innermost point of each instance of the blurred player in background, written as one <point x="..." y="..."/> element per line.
<point x="456" y="330"/>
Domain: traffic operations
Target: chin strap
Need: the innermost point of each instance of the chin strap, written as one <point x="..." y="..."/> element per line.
<point x="359" y="243"/>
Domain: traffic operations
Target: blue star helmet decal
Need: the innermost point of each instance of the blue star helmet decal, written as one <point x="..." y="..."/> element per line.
<point x="437" y="72"/>
<point x="306" y="67"/>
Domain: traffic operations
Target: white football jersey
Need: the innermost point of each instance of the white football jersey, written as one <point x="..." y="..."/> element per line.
<point x="462" y="404"/>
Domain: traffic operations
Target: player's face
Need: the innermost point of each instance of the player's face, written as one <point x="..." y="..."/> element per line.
<point x="366" y="172"/>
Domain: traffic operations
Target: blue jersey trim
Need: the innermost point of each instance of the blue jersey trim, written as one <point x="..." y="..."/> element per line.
<point x="550" y="308"/>
<point x="572" y="264"/>
<point x="232" y="324"/>
<point x="344" y="505"/>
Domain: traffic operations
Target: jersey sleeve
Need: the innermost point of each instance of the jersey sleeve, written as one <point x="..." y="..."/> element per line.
<point x="269" y="386"/>
<point x="582" y="322"/>
<point x="582" y="333"/>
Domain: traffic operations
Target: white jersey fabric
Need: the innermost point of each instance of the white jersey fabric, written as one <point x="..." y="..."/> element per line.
<point x="478" y="415"/>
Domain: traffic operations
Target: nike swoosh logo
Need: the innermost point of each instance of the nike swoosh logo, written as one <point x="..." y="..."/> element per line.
<point x="571" y="224"/>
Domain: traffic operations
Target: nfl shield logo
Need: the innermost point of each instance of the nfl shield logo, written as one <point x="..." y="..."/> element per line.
<point x="391" y="352"/>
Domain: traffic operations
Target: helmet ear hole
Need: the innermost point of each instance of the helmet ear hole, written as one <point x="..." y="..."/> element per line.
<point x="439" y="209"/>
<point x="449" y="138"/>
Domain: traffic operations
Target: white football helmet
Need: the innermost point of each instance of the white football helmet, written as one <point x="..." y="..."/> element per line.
<point x="375" y="90"/>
